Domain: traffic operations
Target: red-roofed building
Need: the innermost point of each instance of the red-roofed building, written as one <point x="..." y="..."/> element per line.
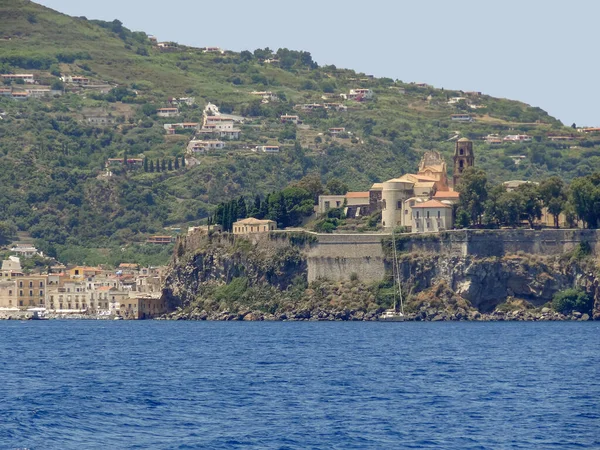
<point x="432" y="215"/>
<point x="447" y="196"/>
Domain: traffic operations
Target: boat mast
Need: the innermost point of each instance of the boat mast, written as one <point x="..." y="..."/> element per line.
<point x="396" y="270"/>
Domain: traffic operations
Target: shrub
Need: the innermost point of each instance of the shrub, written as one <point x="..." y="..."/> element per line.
<point x="571" y="300"/>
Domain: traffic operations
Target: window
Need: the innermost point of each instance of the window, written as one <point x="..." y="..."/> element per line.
<point x="462" y="152"/>
<point x="399" y="204"/>
<point x="20" y="293"/>
<point x="31" y="284"/>
<point x="428" y="214"/>
<point x="21" y="284"/>
<point x="384" y="207"/>
<point x="41" y="284"/>
<point x="337" y="203"/>
<point x="439" y="215"/>
<point x="41" y="293"/>
<point x="417" y="214"/>
<point x="10" y="292"/>
<point x="31" y="293"/>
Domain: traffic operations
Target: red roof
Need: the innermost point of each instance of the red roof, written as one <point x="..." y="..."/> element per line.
<point x="357" y="194"/>
<point x="446" y="194"/>
<point x="432" y="204"/>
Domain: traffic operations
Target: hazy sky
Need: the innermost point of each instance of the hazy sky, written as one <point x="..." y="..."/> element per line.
<point x="541" y="52"/>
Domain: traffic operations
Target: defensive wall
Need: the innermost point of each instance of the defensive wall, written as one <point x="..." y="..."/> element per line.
<point x="339" y="256"/>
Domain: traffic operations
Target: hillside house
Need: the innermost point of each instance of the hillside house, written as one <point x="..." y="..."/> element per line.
<point x="493" y="139"/>
<point x="171" y="128"/>
<point x="267" y="96"/>
<point x="286" y="118"/>
<point x="252" y="225"/>
<point x="309" y="107"/>
<point x="20" y="95"/>
<point x="218" y="123"/>
<point x="100" y="120"/>
<point x="203" y="146"/>
<point x="230" y="134"/>
<point x="160" y="240"/>
<point x="42" y="92"/>
<point x="431" y="215"/>
<point x="25" y="251"/>
<point x="360" y="94"/>
<point x="25" y="77"/>
<point x="183" y="101"/>
<point x="455" y="100"/>
<point x="267" y="149"/>
<point x="335" y="107"/>
<point x="561" y="138"/>
<point x="327" y="202"/>
<point x="5" y="92"/>
<point x="461" y="118"/>
<point x="213" y="50"/>
<point x="589" y="130"/>
<point x="512" y="138"/>
<point x="336" y="130"/>
<point x="75" y="79"/>
<point x="167" y="112"/>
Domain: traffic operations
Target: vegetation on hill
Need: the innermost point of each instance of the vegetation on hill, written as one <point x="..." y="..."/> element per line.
<point x="55" y="181"/>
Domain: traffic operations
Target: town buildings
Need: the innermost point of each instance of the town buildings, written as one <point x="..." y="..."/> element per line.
<point x="130" y="292"/>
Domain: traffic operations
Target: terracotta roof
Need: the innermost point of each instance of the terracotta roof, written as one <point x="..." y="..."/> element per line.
<point x="432" y="204"/>
<point x="357" y="194"/>
<point x="446" y="194"/>
<point x="253" y="221"/>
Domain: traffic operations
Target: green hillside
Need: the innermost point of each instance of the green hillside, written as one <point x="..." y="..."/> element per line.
<point x="54" y="158"/>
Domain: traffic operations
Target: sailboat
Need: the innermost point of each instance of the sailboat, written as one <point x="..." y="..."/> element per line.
<point x="393" y="315"/>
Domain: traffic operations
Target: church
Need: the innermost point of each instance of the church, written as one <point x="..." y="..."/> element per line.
<point x="423" y="201"/>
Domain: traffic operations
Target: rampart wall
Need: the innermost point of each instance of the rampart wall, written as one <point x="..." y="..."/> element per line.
<point x="339" y="256"/>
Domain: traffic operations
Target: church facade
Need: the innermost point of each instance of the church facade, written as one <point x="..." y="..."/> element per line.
<point x="428" y="191"/>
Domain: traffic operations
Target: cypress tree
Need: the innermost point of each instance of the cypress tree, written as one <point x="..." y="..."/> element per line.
<point x="151" y="166"/>
<point x="183" y="161"/>
<point x="158" y="165"/>
<point x="225" y="219"/>
<point x="263" y="211"/>
<point x="242" y="210"/>
<point x="145" y="164"/>
<point x="170" y="165"/>
<point x="163" y="165"/>
<point x="177" y="163"/>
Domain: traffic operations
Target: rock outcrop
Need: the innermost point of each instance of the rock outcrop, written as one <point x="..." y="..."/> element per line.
<point x="224" y="277"/>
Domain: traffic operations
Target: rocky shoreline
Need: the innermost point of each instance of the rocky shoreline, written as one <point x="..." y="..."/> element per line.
<point x="425" y="314"/>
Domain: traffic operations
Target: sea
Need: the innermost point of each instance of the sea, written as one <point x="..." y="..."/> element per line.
<point x="299" y="385"/>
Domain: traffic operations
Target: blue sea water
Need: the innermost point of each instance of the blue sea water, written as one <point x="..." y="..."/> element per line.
<point x="183" y="385"/>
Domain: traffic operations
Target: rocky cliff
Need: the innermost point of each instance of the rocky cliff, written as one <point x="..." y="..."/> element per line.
<point x="225" y="277"/>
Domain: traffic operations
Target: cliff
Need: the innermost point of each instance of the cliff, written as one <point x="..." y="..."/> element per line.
<point x="225" y="277"/>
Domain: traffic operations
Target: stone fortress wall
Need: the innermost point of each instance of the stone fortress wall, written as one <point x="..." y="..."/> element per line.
<point x="339" y="256"/>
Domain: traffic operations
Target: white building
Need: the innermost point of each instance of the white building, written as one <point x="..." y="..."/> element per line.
<point x="267" y="148"/>
<point x="167" y="112"/>
<point x="203" y="146"/>
<point x="360" y="94"/>
<point x="431" y="215"/>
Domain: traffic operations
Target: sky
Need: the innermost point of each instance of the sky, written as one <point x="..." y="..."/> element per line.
<point x="543" y="53"/>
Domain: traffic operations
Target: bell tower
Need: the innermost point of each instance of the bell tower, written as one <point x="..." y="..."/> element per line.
<point x="463" y="158"/>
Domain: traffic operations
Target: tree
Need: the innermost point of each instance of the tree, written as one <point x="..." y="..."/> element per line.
<point x="152" y="166"/>
<point x="510" y="205"/>
<point x="8" y="232"/>
<point x="585" y="197"/>
<point x="183" y="161"/>
<point x="242" y="210"/>
<point x="473" y="193"/>
<point x="158" y="165"/>
<point x="177" y="163"/>
<point x="554" y="196"/>
<point x="163" y="165"/>
<point x="571" y="300"/>
<point x="145" y="164"/>
<point x="255" y="210"/>
<point x="336" y="187"/>
<point x="532" y="205"/>
<point x="170" y="165"/>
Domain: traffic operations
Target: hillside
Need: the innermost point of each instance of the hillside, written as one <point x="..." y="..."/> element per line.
<point x="55" y="148"/>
